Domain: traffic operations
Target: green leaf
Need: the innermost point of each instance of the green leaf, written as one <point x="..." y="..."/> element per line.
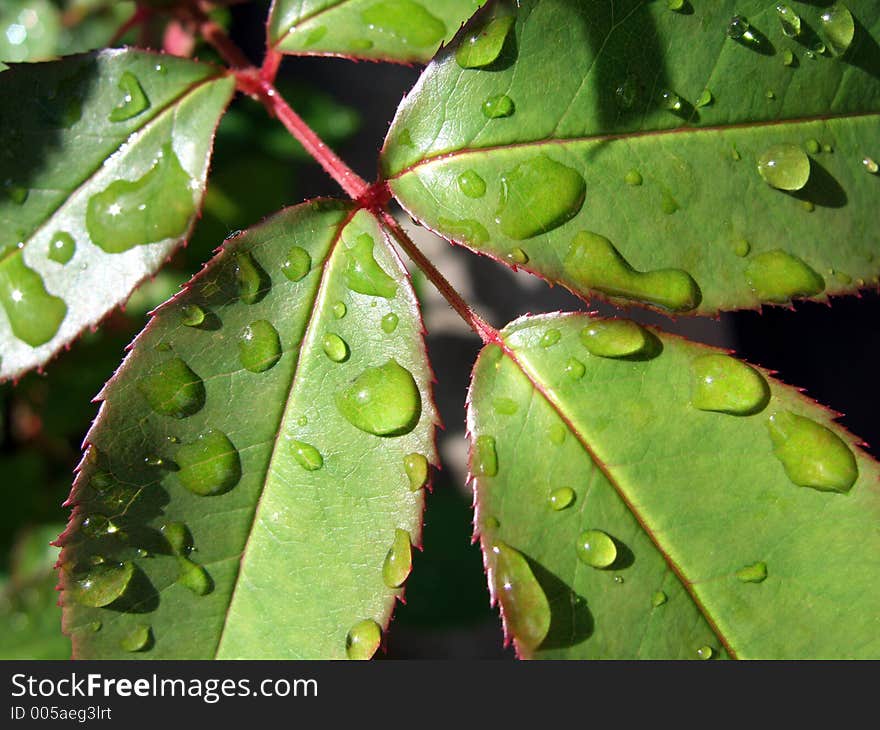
<point x="404" y="31"/>
<point x="102" y="173"/>
<point x="233" y="488"/>
<point x="590" y="153"/>
<point x="701" y="538"/>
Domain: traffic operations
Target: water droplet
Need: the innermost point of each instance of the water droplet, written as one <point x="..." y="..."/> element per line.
<point x="259" y="346"/>
<point x="505" y="406"/>
<point x="209" y="465"/>
<point x="739" y="29"/>
<point x="596" y="549"/>
<point x="389" y="323"/>
<point x="619" y="579"/>
<point x="34" y="314"/>
<point x="335" y="347"/>
<point x="668" y="204"/>
<point x="675" y="5"/>
<point x="178" y="537"/>
<point x="102" y="585"/>
<point x="870" y="165"/>
<point x="839" y="28"/>
<point x="812" y="455"/>
<point x="658" y="599"/>
<point x="523" y="601"/>
<point x="383" y="400"/>
<point x="249" y="278"/>
<point x="154" y="207"/>
<point x="537" y="196"/>
<point x="306" y="455"/>
<point x="192" y="315"/>
<point x="734" y="154"/>
<point x="363" y="274"/>
<point x="723" y="384"/>
<point x="557" y="433"/>
<point x="62" y="247"/>
<point x="485" y="457"/>
<point x="827" y="148"/>
<point x="770" y="94"/>
<point x="339" y="310"/>
<point x="471" y="184"/>
<point x="362" y="44"/>
<point x="788" y="58"/>
<point x="155" y="461"/>
<point x="138" y="639"/>
<point x="706" y="99"/>
<point x="173" y="389"/>
<point x="363" y="640"/>
<point x="498" y="107"/>
<point x="550" y="338"/>
<point x="315" y="35"/>
<point x="777" y="276"/>
<point x="517" y="256"/>
<point x="194" y="576"/>
<point x="98" y="525"/>
<point x="812" y="146"/>
<point x="562" y="498"/>
<point x="705" y="652"/>
<point x="741" y="247"/>
<point x="574" y="368"/>
<point x="594" y="263"/>
<point x="671" y="101"/>
<point x="482" y="47"/>
<point x="302" y="421"/>
<point x="467" y="230"/>
<point x="406" y="20"/>
<point x="808" y="205"/>
<point x="633" y="178"/>
<point x="95" y="626"/>
<point x="615" y="338"/>
<point x="490" y="523"/>
<point x="134" y="100"/>
<point x="754" y="573"/>
<point x="785" y="167"/>
<point x="398" y="560"/>
<point x="297" y="263"/>
<point x="416" y="468"/>
<point x="789" y="19"/>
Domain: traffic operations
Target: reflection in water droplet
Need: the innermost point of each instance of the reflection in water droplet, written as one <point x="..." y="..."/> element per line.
<point x="383" y="400"/>
<point x="471" y="184"/>
<point x="363" y="274"/>
<point x="405" y="20"/>
<point x="482" y="47"/>
<point x="839" y="28"/>
<point x="363" y="640"/>
<point x="389" y="323"/>
<point x="615" y="338"/>
<point x="62" y="247"/>
<point x="789" y="19"/>
<point x="297" y="263"/>
<point x="134" y="100"/>
<point x="777" y="276"/>
<point x="670" y="100"/>
<point x="138" y="639"/>
<point x="498" y="107"/>
<point x="785" y="167"/>
<point x="523" y="602"/>
<point x="562" y="498"/>
<point x="101" y="585"/>
<point x="306" y="455"/>
<point x="754" y="573"/>
<point x="173" y="389"/>
<point x="485" y="457"/>
<point x="416" y="468"/>
<point x="34" y="314"/>
<point x="335" y="347"/>
<point x="398" y="560"/>
<point x="259" y="346"/>
<point x="596" y="549"/>
<point x="209" y="465"/>
<point x="723" y="384"/>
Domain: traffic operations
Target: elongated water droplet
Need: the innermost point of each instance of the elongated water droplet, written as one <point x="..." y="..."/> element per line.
<point x="178" y="537"/>
<point x="209" y="465"/>
<point x="138" y="639"/>
<point x="537" y="196"/>
<point x="523" y="602"/>
<point x="335" y="347"/>
<point x="363" y="274"/>
<point x="102" y="584"/>
<point x="550" y="338"/>
<point x="812" y="455"/>
<point x="389" y="323"/>
<point x="339" y="310"/>
<point x="838" y="27"/>
<point x="562" y="498"/>
<point x="173" y="389"/>
<point x="574" y="368"/>
<point x="593" y="262"/>
<point x="34" y="314"/>
<point x="134" y="100"/>
<point x="785" y="167"/>
<point x="416" y="468"/>
<point x="259" y="346"/>
<point x="498" y="107"/>
<point x="471" y="184"/>
<point x="739" y="29"/>
<point x="658" y="599"/>
<point x="517" y="256"/>
<point x="705" y="652"/>
<point x="726" y="385"/>
<point x="789" y="19"/>
<point x="615" y="338"/>
<point x="466" y="230"/>
<point x="363" y="640"/>
<point x="870" y="165"/>
<point x="505" y="406"/>
<point x="633" y="178"/>
<point x="778" y="276"/>
<point x="297" y="263"/>
<point x="62" y="247"/>
<point x="250" y="279"/>
<point x="306" y="455"/>
<point x="482" y="47"/>
<point x="383" y="400"/>
<point x="398" y="560"/>
<point x="194" y="576"/>
<point x="754" y="573"/>
<point x="485" y="457"/>
<point x="407" y="20"/>
<point x="705" y="99"/>
<point x="596" y="549"/>
<point x="154" y="207"/>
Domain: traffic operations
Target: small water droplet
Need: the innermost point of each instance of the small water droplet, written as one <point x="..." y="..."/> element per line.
<point x="557" y="433"/>
<point x="633" y="178"/>
<point x="471" y="184"/>
<point x="95" y="626"/>
<point x="482" y="47"/>
<point x="297" y="263"/>
<point x="498" y="107"/>
<point x="16" y="193"/>
<point x="562" y="498"/>
<point x="192" y="315"/>
<point x="306" y="455"/>
<point x="827" y="148"/>
<point x="173" y="389"/>
<point x="723" y="384"/>
<point x="627" y="92"/>
<point x="839" y="28"/>
<point x="389" y="323"/>
<point x="668" y="204"/>
<point x="485" y="457"/>
<point x="406" y="20"/>
<point x="466" y="230"/>
<point x="788" y="58"/>
<point x="671" y="101"/>
<point x="778" y="276"/>
<point x="658" y="599"/>
<point x="209" y="465"/>
<point x="315" y="35"/>
<point x="138" y="639"/>
<point x="811" y="454"/>
<point x="550" y="337"/>
<point x="134" y="100"/>
<point x="770" y="94"/>
<point x="363" y="640"/>
<point x="808" y="205"/>
<point x="870" y="165"/>
<point x="754" y="573"/>
<point x="596" y="549"/>
<point x="505" y="406"/>
<point x="363" y="273"/>
<point x="335" y="347"/>
<point x="619" y="579"/>
<point x="812" y="146"/>
<point x="102" y="584"/>
<point x="249" y="278"/>
<point x="517" y="256"/>
<point x="789" y="19"/>
<point x="383" y="400"/>
<point x="490" y="523"/>
<point x="785" y="167"/>
<point x="739" y="29"/>
<point x="62" y="247"/>
<point x="523" y="601"/>
<point x="194" y="577"/>
<point x="398" y="560"/>
<point x="615" y="338"/>
<point x="339" y="310"/>
<point x="259" y="346"/>
<point x="574" y="368"/>
<point x="416" y="468"/>
<point x="741" y="247"/>
<point x="734" y="153"/>
<point x="705" y="652"/>
<point x="675" y="5"/>
<point x="155" y="461"/>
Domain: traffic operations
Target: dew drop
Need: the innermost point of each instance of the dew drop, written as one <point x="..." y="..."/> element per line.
<point x="383" y="400"/>
<point x="339" y="310"/>
<point x="705" y="652"/>
<point x="498" y="107"/>
<point x="784" y="167"/>
<point x="523" y="602"/>
<point x="839" y="28"/>
<point x="315" y="35"/>
<point x="658" y="599"/>
<point x="134" y="100"/>
<point x="615" y="338"/>
<point x="574" y="368"/>
<point x="34" y="314"/>
<point x="550" y="338"/>
<point x="633" y="178"/>
<point x="754" y="573"/>
<point x="870" y="165"/>
<point x="173" y="389"/>
<point x="517" y="256"/>
<point x="406" y="20"/>
<point x="389" y="323"/>
<point x="505" y="406"/>
<point x="812" y="455"/>
<point x="471" y="184"/>
<point x="306" y="455"/>
<point x="789" y="19"/>
<point x="297" y="263"/>
<point x="62" y="247"/>
<point x="485" y="457"/>
<point x="138" y="639"/>
<point x="398" y="560"/>
<point x="416" y="468"/>
<point x="193" y="576"/>
<point x="619" y="579"/>
<point x="724" y="384"/>
<point x="363" y="274"/>
<point x="335" y="347"/>
<point x="363" y="640"/>
<point x="209" y="465"/>
<point x="482" y="47"/>
<point x="596" y="549"/>
<point x="259" y="346"/>
<point x="777" y="276"/>
<point x="249" y="278"/>
<point x="102" y="585"/>
<point x="562" y="498"/>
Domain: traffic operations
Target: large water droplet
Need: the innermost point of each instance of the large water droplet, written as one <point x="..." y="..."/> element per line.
<point x="838" y="27"/>
<point x="34" y="314"/>
<point x="389" y="323"/>
<point x="154" y="207"/>
<point x="726" y="385"/>
<point x="471" y="184"/>
<point x="383" y="400"/>
<point x="615" y="338"/>
<point x="173" y="389"/>
<point x="250" y="279"/>
<point x="482" y="47"/>
<point x="523" y="601"/>
<point x="407" y="20"/>
<point x="812" y="455"/>
<point x="498" y="107"/>
<point x="62" y="247"/>
<point x="562" y="498"/>
<point x="416" y="468"/>
<point x="306" y="455"/>
<point x="259" y="346"/>
<point x="754" y="573"/>
<point x="134" y="100"/>
<point x="485" y="457"/>
<point x="398" y="561"/>
<point x="297" y="263"/>
<point x="193" y="576"/>
<point x="594" y="263"/>
<point x="362" y="272"/>
<point x="335" y="347"/>
<point x="363" y="640"/>
<point x="789" y="19"/>
<point x="596" y="549"/>
<point x="138" y="639"/>
<point x="102" y="584"/>
<point x="209" y="465"/>
<point x="785" y="167"/>
<point x="537" y="196"/>
<point x="777" y="276"/>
